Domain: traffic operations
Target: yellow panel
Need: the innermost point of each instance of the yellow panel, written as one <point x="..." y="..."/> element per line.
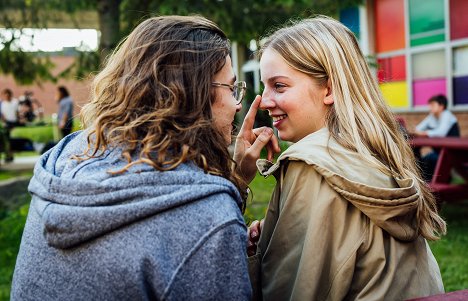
<point x="395" y="93"/>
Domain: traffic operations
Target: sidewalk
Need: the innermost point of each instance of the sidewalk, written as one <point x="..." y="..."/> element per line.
<point x="20" y="163"/>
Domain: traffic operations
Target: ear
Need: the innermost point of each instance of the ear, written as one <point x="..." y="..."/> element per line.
<point x="328" y="100"/>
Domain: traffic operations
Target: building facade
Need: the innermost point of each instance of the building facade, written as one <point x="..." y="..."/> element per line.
<point x="419" y="49"/>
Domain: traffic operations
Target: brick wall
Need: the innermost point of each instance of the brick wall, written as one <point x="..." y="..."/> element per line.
<point x="45" y="93"/>
<point x="412" y="119"/>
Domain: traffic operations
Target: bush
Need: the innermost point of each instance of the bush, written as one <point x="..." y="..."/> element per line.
<point x="40" y="134"/>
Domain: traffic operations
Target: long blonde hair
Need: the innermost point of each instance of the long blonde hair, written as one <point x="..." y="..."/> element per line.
<point x="153" y="97"/>
<point x="360" y="119"/>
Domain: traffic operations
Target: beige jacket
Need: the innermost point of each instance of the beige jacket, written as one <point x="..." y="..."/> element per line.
<point x="339" y="229"/>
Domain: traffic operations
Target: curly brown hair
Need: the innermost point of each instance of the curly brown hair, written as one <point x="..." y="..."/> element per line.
<point x="154" y="97"/>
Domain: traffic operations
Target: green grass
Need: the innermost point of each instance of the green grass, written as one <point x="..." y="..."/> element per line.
<point x="8" y="174"/>
<point x="452" y="250"/>
<point x="42" y="134"/>
<point x="11" y="229"/>
<point x="261" y="192"/>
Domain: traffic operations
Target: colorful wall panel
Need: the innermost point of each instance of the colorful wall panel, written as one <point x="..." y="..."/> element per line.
<point x="458" y="19"/>
<point x="350" y="18"/>
<point x="415" y="32"/>
<point x="389" y="25"/>
<point x="425" y="89"/>
<point x="429" y="64"/>
<point x="460" y="90"/>
<point x="396" y="94"/>
<point x="392" y="69"/>
<point x="460" y="75"/>
<point x="426" y="21"/>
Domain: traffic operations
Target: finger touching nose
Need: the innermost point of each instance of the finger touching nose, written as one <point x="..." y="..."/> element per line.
<point x="266" y="102"/>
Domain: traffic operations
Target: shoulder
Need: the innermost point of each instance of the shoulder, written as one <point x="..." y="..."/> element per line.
<point x="220" y="206"/>
<point x="221" y="199"/>
<point x="303" y="181"/>
<point x="449" y="115"/>
<point x="300" y="170"/>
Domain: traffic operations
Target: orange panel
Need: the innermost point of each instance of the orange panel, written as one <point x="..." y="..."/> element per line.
<point x="389" y="25"/>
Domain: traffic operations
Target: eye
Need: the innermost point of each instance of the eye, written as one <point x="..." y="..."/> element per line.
<point x="279" y="87"/>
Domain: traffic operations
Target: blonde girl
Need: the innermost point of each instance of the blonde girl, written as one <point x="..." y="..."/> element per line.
<point x="350" y="215"/>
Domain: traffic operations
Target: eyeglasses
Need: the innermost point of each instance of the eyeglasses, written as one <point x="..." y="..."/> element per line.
<point x="238" y="89"/>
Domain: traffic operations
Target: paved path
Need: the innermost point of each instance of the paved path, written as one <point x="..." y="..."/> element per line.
<point x="20" y="163"/>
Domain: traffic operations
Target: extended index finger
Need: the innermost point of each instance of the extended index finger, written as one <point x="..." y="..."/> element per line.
<point x="249" y="119"/>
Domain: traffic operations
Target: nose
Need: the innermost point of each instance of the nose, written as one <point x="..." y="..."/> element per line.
<point x="238" y="107"/>
<point x="267" y="102"/>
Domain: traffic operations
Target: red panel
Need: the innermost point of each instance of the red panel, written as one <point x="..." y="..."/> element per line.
<point x="398" y="68"/>
<point x="389" y="25"/>
<point x="383" y="73"/>
<point x="392" y="69"/>
<point x="458" y="19"/>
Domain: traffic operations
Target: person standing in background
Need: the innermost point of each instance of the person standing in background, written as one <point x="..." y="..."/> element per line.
<point x="9" y="116"/>
<point x="65" y="112"/>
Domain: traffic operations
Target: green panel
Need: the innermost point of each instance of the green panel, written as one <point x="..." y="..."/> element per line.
<point x="427" y="21"/>
<point x="428" y="40"/>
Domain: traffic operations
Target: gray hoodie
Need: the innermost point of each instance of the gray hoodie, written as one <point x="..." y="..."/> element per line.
<point x="140" y="235"/>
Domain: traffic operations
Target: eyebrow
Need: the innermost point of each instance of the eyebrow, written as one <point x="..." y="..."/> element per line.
<point x="274" y="78"/>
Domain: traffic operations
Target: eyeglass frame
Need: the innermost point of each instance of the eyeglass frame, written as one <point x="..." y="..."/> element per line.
<point x="238" y="87"/>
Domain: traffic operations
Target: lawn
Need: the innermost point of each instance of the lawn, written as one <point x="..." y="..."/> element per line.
<point x="41" y="133"/>
<point x="450" y="251"/>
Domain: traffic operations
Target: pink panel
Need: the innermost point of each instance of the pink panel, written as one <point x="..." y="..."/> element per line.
<point x="425" y="89"/>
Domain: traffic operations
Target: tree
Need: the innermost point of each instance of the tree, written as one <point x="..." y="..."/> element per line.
<point x="242" y="20"/>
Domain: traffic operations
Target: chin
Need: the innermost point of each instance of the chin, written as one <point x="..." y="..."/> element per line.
<point x="284" y="137"/>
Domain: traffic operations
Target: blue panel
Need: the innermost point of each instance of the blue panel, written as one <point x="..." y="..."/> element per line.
<point x="350" y="18"/>
<point x="460" y="90"/>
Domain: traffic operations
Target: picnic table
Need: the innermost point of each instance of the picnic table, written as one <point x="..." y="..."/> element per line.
<point x="453" y="155"/>
<point x="452" y="296"/>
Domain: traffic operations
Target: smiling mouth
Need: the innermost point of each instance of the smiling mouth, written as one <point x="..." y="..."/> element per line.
<point x="278" y="118"/>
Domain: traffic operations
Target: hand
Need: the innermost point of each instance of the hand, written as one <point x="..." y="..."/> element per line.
<point x="421" y="134"/>
<point x="253" y="234"/>
<point x="250" y="141"/>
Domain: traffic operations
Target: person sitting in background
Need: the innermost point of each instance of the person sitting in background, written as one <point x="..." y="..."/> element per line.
<point x="439" y="123"/>
<point x="26" y="108"/>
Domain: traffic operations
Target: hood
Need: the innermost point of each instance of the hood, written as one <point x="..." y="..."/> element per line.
<point x="390" y="203"/>
<point x="80" y="200"/>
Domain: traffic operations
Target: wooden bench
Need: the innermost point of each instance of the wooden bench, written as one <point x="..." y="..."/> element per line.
<point x="453" y="155"/>
<point x="452" y="296"/>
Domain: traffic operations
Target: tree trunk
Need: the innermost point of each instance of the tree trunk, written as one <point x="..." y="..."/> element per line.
<point x="109" y="25"/>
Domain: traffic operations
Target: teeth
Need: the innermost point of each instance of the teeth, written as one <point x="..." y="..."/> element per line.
<point x="278" y="118"/>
